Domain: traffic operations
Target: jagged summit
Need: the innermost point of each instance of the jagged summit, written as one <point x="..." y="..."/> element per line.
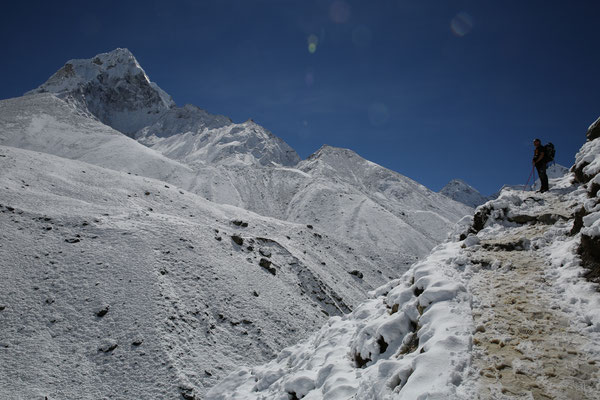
<point x="113" y="87"/>
<point x="462" y="192"/>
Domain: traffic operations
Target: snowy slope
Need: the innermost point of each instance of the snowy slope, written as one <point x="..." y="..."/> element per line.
<point x="385" y="215"/>
<point x="193" y="136"/>
<point x="502" y="310"/>
<point x="45" y="123"/>
<point x="462" y="192"/>
<point x="184" y="302"/>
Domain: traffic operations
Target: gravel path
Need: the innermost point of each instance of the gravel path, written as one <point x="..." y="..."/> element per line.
<point x="525" y="348"/>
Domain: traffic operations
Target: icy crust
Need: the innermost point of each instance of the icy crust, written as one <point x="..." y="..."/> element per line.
<point x="462" y="192"/>
<point x="413" y="339"/>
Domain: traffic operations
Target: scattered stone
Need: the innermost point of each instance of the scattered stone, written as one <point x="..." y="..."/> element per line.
<point x="254" y="293"/>
<point x="102" y="312"/>
<point x="266" y="264"/>
<point x="356" y="273"/>
<point x="108" y="346"/>
<point x="237" y="240"/>
<point x="219" y="238"/>
<point x="309" y="226"/>
<point x="147" y="193"/>
<point x="137" y="342"/>
<point x="2" y="307"/>
<point x="480" y="328"/>
<point x="265" y="253"/>
<point x="72" y="240"/>
<point x="240" y="223"/>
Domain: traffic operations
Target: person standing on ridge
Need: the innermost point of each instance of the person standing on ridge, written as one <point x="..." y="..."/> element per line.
<point x="539" y="160"/>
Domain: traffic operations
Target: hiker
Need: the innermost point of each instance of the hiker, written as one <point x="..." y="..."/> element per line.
<point x="539" y="160"/>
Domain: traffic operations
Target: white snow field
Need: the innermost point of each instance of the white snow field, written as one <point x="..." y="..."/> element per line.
<point x="155" y="251"/>
<point x="502" y="310"/>
<point x="190" y="288"/>
<point x="151" y="268"/>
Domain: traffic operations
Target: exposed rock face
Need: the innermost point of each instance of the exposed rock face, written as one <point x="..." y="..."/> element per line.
<point x="587" y="172"/>
<point x="594" y="130"/>
<point x="113" y="87"/>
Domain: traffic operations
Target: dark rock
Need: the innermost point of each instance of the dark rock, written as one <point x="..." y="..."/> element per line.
<point x="254" y="293"/>
<point x="240" y="223"/>
<point x="480" y="218"/>
<point x="382" y="345"/>
<point x="147" y="193"/>
<point x="108" y="347"/>
<point x="309" y="226"/>
<point x="219" y="238"/>
<point x="72" y="240"/>
<point x="418" y="291"/>
<point x="359" y="361"/>
<point x="250" y="248"/>
<point x="2" y="308"/>
<point x="137" y="342"/>
<point x="594" y="131"/>
<point x="356" y="273"/>
<point x="589" y="251"/>
<point x="103" y="311"/>
<point x="266" y="264"/>
<point x="237" y="240"/>
<point x="578" y="221"/>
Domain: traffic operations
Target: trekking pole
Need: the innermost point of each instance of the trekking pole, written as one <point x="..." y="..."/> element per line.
<point x="528" y="179"/>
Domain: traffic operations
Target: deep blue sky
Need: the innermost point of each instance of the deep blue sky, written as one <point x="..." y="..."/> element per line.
<point x="432" y="89"/>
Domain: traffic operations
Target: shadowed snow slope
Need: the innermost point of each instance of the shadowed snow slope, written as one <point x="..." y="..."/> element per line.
<point x="500" y="311"/>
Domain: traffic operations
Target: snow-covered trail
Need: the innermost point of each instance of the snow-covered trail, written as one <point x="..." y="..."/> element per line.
<point x="526" y="345"/>
<point x="500" y="311"/>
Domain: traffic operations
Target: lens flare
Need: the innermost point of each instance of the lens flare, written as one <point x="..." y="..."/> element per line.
<point x="339" y="12"/>
<point x="313" y="41"/>
<point x="461" y="24"/>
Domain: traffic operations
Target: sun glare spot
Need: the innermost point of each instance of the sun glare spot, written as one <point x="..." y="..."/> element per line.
<point x="313" y="41"/>
<point x="461" y="24"/>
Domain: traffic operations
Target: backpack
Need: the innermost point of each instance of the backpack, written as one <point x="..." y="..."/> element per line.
<point x="549" y="152"/>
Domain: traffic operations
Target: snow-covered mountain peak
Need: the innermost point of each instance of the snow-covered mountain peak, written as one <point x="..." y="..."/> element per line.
<point x="462" y="192"/>
<point x="113" y="87"/>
